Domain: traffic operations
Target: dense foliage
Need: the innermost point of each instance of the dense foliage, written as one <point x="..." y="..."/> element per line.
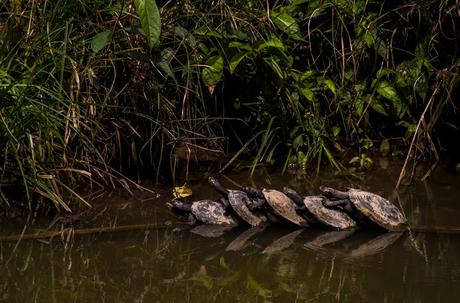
<point x="88" y="90"/>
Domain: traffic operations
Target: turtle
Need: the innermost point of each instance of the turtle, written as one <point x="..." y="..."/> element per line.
<point x="238" y="201"/>
<point x="332" y="218"/>
<point x="283" y="206"/>
<point x="374" y="207"/>
<point x="205" y="211"/>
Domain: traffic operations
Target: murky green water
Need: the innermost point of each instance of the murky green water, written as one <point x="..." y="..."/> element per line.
<point x="243" y="265"/>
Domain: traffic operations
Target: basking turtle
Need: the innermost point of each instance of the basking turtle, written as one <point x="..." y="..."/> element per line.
<point x="314" y="206"/>
<point x="374" y="207"/>
<point x="239" y="201"/>
<point x="206" y="211"/>
<point x="283" y="206"/>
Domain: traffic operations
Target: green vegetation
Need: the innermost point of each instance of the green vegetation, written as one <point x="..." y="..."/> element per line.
<point x="92" y="89"/>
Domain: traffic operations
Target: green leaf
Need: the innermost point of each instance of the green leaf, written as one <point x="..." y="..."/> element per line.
<point x="235" y="61"/>
<point x="378" y="107"/>
<point x="100" y="41"/>
<point x="330" y="84"/>
<point x="386" y="90"/>
<point x="275" y="67"/>
<point x="275" y="43"/>
<point x="212" y="74"/>
<point x="335" y="131"/>
<point x="307" y="93"/>
<point x="149" y="16"/>
<point x="287" y="24"/>
<point x="240" y="45"/>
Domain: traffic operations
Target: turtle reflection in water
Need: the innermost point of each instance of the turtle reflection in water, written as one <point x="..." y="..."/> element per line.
<point x="318" y="212"/>
<point x="374" y="207"/>
<point x="333" y="243"/>
<point x="205" y="211"/>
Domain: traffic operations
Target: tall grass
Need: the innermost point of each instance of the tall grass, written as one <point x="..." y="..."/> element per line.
<point x="84" y="100"/>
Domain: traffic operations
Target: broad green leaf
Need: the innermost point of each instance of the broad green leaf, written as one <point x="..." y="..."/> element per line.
<point x="378" y="107"/>
<point x="386" y="90"/>
<point x="100" y="41"/>
<point x="235" y="61"/>
<point x="298" y="141"/>
<point x="330" y="84"/>
<point x="287" y="24"/>
<point x="369" y="38"/>
<point x="165" y="63"/>
<point x="212" y="74"/>
<point x="240" y="45"/>
<point x="307" y="93"/>
<point x="335" y="131"/>
<point x="275" y="43"/>
<point x="149" y="16"/>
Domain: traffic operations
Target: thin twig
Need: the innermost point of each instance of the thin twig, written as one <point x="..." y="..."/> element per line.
<point x="422" y="117"/>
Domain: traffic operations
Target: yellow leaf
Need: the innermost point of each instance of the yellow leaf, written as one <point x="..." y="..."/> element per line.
<point x="182" y="191"/>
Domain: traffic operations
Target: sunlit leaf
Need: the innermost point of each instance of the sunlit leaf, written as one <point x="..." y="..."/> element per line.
<point x="275" y="43"/>
<point x="287" y="24"/>
<point x="335" y="131"/>
<point x="149" y="16"/>
<point x="330" y="84"/>
<point x="235" y="61"/>
<point x="307" y="93"/>
<point x="100" y="41"/>
<point x="182" y="191"/>
<point x="213" y="71"/>
<point x="240" y="45"/>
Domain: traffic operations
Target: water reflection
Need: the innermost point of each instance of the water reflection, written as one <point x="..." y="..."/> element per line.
<point x="271" y="264"/>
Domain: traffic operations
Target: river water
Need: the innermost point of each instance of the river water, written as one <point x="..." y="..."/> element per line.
<point x="173" y="263"/>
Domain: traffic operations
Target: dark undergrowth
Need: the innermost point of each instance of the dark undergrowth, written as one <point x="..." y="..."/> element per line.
<point x="86" y="96"/>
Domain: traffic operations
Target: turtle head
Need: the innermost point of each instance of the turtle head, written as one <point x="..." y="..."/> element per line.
<point x="333" y="193"/>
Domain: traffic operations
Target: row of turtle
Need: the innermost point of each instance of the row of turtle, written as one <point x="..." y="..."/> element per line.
<point x="333" y="208"/>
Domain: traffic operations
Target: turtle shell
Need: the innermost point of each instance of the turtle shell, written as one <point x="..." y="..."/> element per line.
<point x="377" y="209"/>
<point x="283" y="206"/>
<point x="211" y="212"/>
<point x="239" y="201"/>
<point x="328" y="217"/>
